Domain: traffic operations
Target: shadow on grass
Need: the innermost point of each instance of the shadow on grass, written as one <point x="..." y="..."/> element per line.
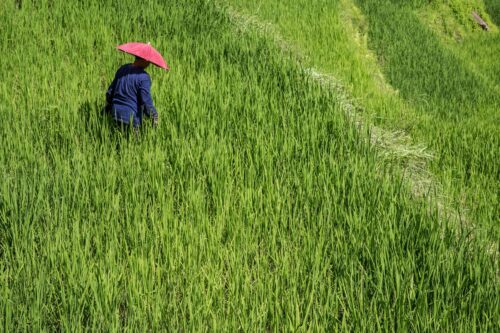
<point x="493" y="9"/>
<point x="5" y="230"/>
<point x="100" y="127"/>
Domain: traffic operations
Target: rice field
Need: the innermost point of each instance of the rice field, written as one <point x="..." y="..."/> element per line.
<point x="258" y="203"/>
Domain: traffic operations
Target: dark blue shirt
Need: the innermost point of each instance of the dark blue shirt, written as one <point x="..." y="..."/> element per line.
<point x="129" y="95"/>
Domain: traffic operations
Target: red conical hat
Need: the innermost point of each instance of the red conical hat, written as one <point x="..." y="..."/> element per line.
<point x="144" y="51"/>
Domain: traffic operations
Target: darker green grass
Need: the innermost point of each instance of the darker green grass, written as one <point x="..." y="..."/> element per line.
<point x="493" y="8"/>
<point x="416" y="63"/>
<point x="462" y="99"/>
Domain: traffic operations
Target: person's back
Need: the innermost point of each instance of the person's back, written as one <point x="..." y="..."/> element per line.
<point x="129" y="96"/>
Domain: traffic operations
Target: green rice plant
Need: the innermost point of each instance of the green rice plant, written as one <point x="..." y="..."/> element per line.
<point x="443" y="95"/>
<point x="255" y="205"/>
<point x="493" y="8"/>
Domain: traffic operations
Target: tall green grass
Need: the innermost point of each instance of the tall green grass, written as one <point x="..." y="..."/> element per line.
<point x="463" y="103"/>
<point x="444" y="96"/>
<point x="493" y="8"/>
<point x="256" y="205"/>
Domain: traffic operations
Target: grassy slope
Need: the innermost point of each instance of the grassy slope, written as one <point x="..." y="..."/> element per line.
<point x="443" y="101"/>
<point x="478" y="50"/>
<point x="463" y="103"/>
<point x="493" y="9"/>
<point x="255" y="205"/>
<point x="328" y="45"/>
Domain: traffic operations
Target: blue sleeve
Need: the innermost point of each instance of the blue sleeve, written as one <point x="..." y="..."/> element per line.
<point x="111" y="90"/>
<point x="146" y="100"/>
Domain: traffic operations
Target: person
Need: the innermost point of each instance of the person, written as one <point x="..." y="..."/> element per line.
<point x="128" y="98"/>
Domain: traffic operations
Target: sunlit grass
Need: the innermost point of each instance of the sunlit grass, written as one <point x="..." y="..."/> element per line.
<point x="406" y="78"/>
<point x="255" y="205"/>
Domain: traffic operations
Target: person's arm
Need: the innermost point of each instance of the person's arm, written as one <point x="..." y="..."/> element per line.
<point x="109" y="95"/>
<point x="147" y="101"/>
<point x="110" y="92"/>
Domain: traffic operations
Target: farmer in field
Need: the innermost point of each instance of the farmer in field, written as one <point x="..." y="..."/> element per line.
<point x="128" y="98"/>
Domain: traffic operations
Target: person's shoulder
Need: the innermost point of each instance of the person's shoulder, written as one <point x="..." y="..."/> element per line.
<point x="142" y="71"/>
<point x="144" y="75"/>
<point x="128" y="67"/>
<point x="123" y="68"/>
<point x="137" y="70"/>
